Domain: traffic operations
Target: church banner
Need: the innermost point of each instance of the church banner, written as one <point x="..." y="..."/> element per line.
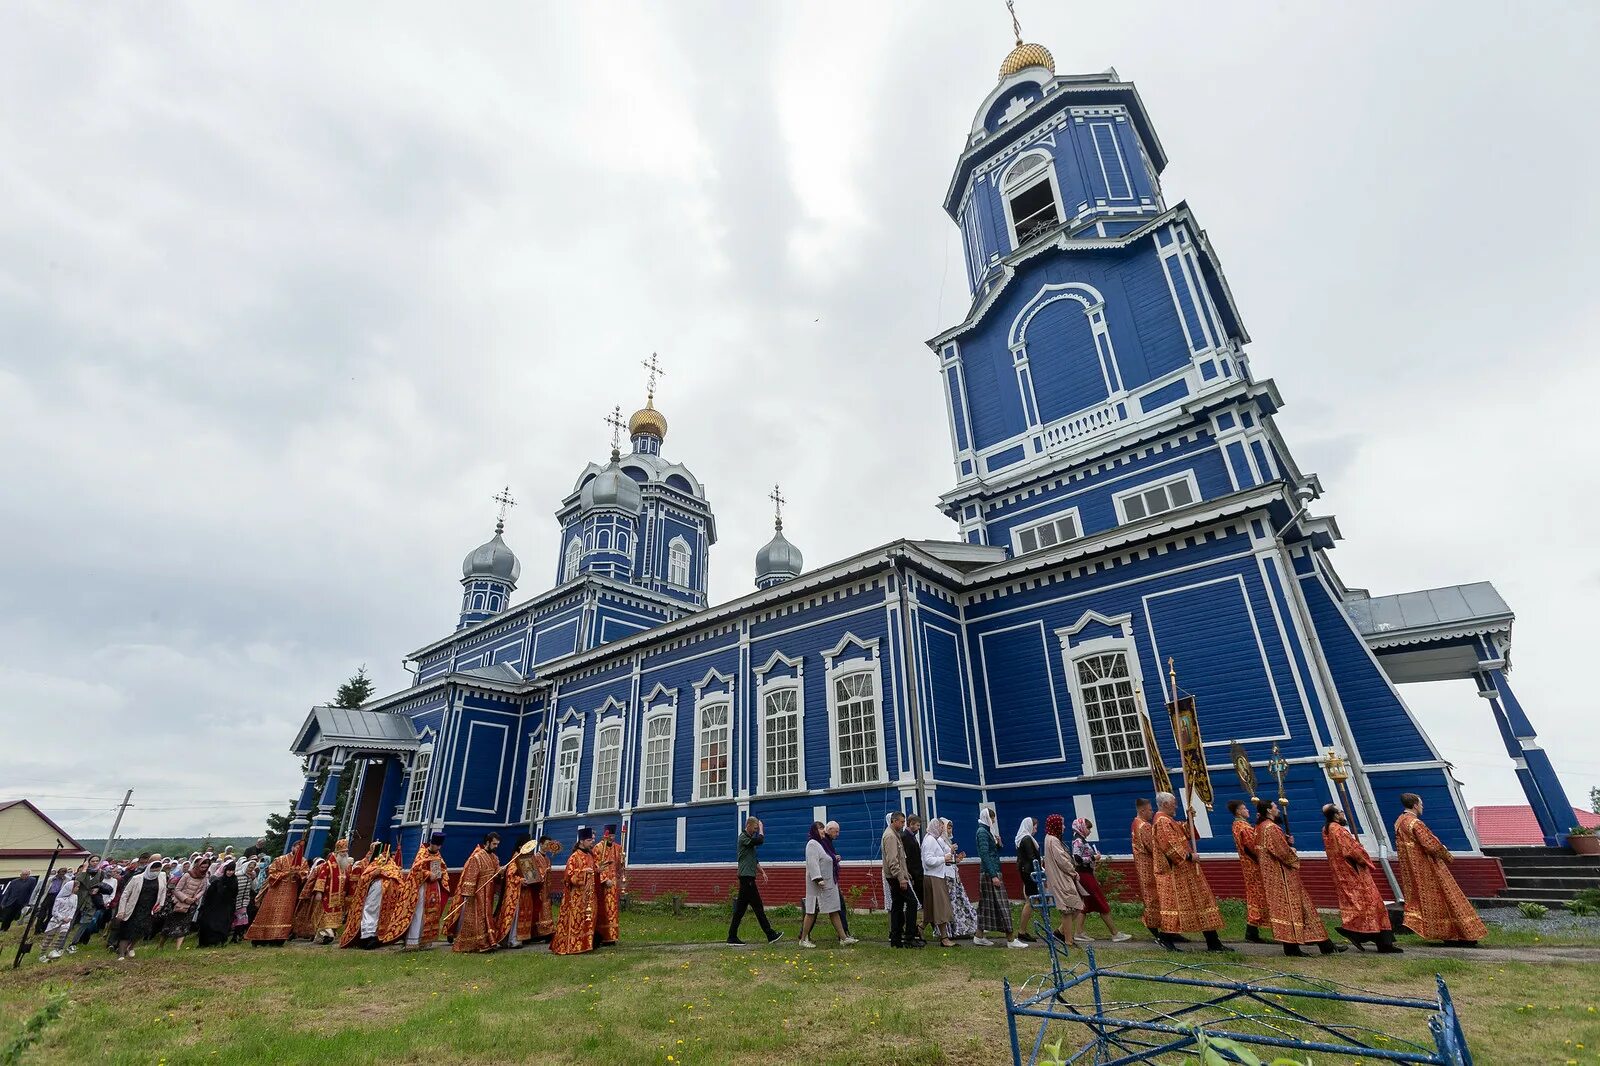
<point x="1186" y="728"/>
<point x="1242" y="767"/>
<point x="1158" y="768"/>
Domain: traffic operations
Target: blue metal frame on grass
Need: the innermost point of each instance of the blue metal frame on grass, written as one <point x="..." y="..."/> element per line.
<point x="1234" y="1003"/>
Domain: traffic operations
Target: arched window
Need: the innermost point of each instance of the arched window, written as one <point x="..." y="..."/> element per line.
<point x="566" y="797"/>
<point x="1030" y="195"/>
<point x="678" y="562"/>
<point x="781" y="741"/>
<point x="477" y="601"/>
<point x="419" y="783"/>
<point x="658" y="730"/>
<point x="569" y="568"/>
<point x="607" y="768"/>
<point x="855" y="714"/>
<point x="604" y="540"/>
<point x="711" y="776"/>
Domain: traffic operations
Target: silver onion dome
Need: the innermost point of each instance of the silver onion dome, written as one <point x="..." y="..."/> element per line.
<point x="612" y="488"/>
<point x="492" y="559"/>
<point x="778" y="558"/>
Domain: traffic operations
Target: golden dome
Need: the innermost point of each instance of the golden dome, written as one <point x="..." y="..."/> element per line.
<point x="648" y="420"/>
<point x="1027" y="55"/>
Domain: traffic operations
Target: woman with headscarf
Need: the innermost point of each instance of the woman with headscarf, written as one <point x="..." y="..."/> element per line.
<point x="215" y="916"/>
<point x="830" y="833"/>
<point x="935" y="897"/>
<point x="182" y="902"/>
<point x="963" y="915"/>
<point x="994" y="906"/>
<point x="1061" y="880"/>
<point x="244" y="877"/>
<point x="142" y="898"/>
<point x="1027" y="857"/>
<point x="822" y="887"/>
<point x="1085" y="856"/>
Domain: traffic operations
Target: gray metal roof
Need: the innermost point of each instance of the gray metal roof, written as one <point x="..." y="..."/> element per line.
<point x="501" y="672"/>
<point x="1439" y="612"/>
<point x="347" y="727"/>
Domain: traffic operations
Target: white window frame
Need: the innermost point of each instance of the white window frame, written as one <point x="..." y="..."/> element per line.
<point x="781" y="686"/>
<point x="417" y="786"/>
<point x="1187" y="478"/>
<point x="839" y="668"/>
<point x="1071" y="654"/>
<point x="725" y="701"/>
<point x="533" y="796"/>
<point x="661" y="712"/>
<point x="1054" y="520"/>
<point x="573" y="559"/>
<point x="598" y="802"/>
<point x="678" y="551"/>
<point x="565" y="800"/>
<point x="1045" y="173"/>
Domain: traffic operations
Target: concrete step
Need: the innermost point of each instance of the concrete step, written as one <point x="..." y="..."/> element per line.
<point x="1505" y="902"/>
<point x="1517" y="893"/>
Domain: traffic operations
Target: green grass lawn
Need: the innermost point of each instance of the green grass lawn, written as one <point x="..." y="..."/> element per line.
<point x="713" y="1004"/>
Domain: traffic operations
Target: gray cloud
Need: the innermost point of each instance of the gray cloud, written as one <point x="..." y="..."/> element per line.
<point x="284" y="299"/>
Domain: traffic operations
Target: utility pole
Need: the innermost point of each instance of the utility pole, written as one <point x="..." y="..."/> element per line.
<point x="122" y="808"/>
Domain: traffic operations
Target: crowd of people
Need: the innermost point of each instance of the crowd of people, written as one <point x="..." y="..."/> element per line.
<point x="927" y="901"/>
<point x="378" y="900"/>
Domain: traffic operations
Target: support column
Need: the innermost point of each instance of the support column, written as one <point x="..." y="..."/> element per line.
<point x="1534" y="769"/>
<point x="317" y="839"/>
<point x="302" y="812"/>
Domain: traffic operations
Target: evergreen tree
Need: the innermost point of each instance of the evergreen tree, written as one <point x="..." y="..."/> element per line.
<point x="1594" y="799"/>
<point x="356" y="691"/>
<point x="277" y="833"/>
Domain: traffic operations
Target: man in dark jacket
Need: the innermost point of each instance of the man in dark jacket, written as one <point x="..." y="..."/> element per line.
<point x="911" y="837"/>
<point x="753" y="836"/>
<point x="18" y="891"/>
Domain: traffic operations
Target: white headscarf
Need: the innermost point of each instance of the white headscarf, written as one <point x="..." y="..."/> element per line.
<point x="986" y="818"/>
<point x="1024" y="832"/>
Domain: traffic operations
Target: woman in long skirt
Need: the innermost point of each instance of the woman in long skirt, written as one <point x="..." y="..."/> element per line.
<point x="935" y="896"/>
<point x="1085" y="856"/>
<point x="1027" y="856"/>
<point x="1061" y="880"/>
<point x="182" y="902"/>
<point x="217" y="908"/>
<point x="994" y="905"/>
<point x="963" y="915"/>
<point x="143" y="896"/>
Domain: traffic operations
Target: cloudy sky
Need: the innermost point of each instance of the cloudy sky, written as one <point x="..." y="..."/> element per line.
<point x="285" y="299"/>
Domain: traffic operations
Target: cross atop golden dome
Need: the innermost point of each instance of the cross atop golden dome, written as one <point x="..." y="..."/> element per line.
<point x="1024" y="55"/>
<point x="647" y="419"/>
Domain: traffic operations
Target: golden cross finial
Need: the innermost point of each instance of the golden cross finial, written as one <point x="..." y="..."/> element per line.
<point x="1016" y="27"/>
<point x="503" y="498"/>
<point x="652" y="364"/>
<point x="614" y="420"/>
<point x="776" y="496"/>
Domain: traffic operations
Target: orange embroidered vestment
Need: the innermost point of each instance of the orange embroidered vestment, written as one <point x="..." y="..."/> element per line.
<point x="305" y="911"/>
<point x="1294" y="918"/>
<point x="547" y="913"/>
<point x="475" y="888"/>
<point x="275" y="914"/>
<point x="428" y="885"/>
<point x="1436" y="908"/>
<point x="354" y="898"/>
<point x="608" y="913"/>
<point x="575" y="925"/>
<point x="1255" y="900"/>
<point x="1361" y="909"/>
<point x="399" y="899"/>
<point x="530" y="894"/>
<point x="1143" y="860"/>
<point x="1184" y="897"/>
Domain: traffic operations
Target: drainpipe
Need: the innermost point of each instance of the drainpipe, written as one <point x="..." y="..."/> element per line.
<point x="912" y="707"/>
<point x="1335" y="708"/>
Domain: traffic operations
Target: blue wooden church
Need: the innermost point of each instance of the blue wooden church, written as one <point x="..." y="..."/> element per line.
<point x="1122" y="494"/>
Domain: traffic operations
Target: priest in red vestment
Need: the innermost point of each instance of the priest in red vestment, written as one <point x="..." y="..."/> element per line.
<point x="523" y="884"/>
<point x="545" y="928"/>
<point x="1244" y="842"/>
<point x="1142" y="834"/>
<point x="275" y="907"/>
<point x="1295" y="920"/>
<point x="1436" y="908"/>
<point x="1185" y="899"/>
<point x="428" y="881"/>
<point x="305" y="911"/>
<point x="329" y="881"/>
<point x="1363" y="919"/>
<point x="608" y="918"/>
<point x="355" y="895"/>
<point x="575" y="926"/>
<point x="475" y="898"/>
